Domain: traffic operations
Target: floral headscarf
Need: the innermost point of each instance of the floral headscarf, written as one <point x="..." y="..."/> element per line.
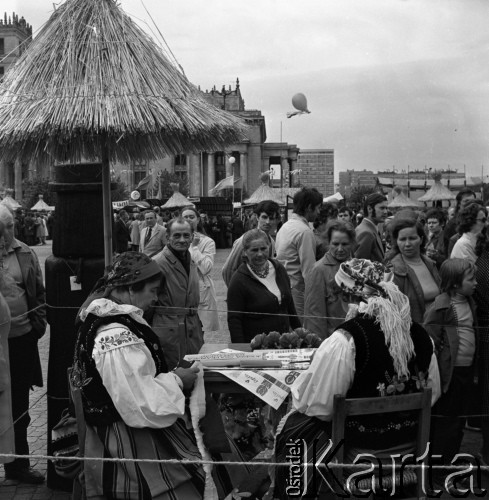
<point x="384" y="302"/>
<point x="363" y="277"/>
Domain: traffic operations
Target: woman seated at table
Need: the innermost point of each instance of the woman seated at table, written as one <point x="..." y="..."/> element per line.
<point x="375" y="352"/>
<point x="414" y="274"/>
<point x="326" y="304"/>
<point x="133" y="407"/>
<point x="259" y="298"/>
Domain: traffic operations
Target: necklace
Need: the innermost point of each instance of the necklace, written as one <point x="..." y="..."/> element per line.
<point x="261" y="273"/>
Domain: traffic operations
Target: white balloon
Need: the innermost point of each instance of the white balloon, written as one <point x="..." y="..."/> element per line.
<point x="135" y="195"/>
<point x="232" y="160"/>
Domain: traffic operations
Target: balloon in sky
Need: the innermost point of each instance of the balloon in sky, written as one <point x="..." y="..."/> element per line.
<point x="299" y="102"/>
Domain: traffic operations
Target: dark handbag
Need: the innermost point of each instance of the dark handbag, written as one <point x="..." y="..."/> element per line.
<point x="64" y="440"/>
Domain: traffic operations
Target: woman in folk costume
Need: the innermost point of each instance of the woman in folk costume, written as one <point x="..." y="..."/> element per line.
<point x="377" y="351"/>
<point x="133" y="407"/>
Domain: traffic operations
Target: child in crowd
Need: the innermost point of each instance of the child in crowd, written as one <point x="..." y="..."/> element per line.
<point x="451" y="322"/>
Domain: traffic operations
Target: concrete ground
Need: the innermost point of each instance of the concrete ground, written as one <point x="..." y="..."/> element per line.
<point x="38" y="427"/>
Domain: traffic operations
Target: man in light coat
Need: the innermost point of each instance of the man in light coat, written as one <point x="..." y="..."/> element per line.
<point x="175" y="318"/>
<point x="153" y="237"/>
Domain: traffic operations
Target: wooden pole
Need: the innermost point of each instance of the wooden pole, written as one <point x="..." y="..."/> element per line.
<point x="107" y="204"/>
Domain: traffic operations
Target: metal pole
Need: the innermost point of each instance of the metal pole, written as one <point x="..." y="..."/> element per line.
<point x="107" y="203"/>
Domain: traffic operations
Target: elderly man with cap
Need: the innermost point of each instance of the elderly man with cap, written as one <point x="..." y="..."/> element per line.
<point x="369" y="241"/>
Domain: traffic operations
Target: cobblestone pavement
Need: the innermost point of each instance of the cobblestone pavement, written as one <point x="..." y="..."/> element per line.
<point x="38" y="427"/>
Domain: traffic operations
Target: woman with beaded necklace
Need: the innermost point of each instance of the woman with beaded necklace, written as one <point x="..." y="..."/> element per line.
<point x="259" y="298"/>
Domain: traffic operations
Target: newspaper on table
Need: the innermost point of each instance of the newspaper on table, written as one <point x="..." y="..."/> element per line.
<point x="273" y="385"/>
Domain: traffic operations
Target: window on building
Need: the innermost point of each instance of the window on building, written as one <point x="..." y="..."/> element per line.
<point x="180" y="160"/>
<point x="180" y="167"/>
<point x="140" y="172"/>
<point x="2" y="46"/>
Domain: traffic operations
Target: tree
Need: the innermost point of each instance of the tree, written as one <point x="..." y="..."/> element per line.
<point x="32" y="188"/>
<point x="358" y="195"/>
<point x="120" y="193"/>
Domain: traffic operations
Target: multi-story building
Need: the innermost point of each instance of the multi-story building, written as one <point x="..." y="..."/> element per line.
<point x="356" y="179"/>
<point x="15" y="37"/>
<point x="317" y="169"/>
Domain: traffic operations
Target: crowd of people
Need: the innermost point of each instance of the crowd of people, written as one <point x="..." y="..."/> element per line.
<point x="32" y="227"/>
<point x="399" y="301"/>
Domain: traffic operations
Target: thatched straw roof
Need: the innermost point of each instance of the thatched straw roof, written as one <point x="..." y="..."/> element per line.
<point x="93" y="79"/>
<point x="437" y="191"/>
<point x="402" y="201"/>
<point x="264" y="192"/>
<point x="177" y="200"/>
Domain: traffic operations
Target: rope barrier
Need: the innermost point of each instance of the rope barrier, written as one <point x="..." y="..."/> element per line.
<point x="332" y="465"/>
<point x="251" y="313"/>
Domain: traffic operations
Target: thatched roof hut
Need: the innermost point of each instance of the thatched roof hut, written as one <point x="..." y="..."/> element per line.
<point x="264" y="192"/>
<point x="92" y="78"/>
<point x="93" y="85"/>
<point x="177" y="199"/>
<point x="437" y="191"/>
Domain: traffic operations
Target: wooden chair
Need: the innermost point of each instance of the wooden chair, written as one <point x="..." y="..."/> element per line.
<point x="76" y="397"/>
<point x="420" y="402"/>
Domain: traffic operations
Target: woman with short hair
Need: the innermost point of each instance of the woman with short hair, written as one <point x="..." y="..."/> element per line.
<point x="414" y="274"/>
<point x="326" y="304"/>
<point x="472" y="221"/>
<point x="259" y="298"/>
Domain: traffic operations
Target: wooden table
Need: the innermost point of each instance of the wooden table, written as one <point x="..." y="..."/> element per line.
<point x="216" y="382"/>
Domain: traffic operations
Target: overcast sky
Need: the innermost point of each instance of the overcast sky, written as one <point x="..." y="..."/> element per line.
<point x="388" y="82"/>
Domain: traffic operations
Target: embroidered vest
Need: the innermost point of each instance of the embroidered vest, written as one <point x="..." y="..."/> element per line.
<point x="97" y="404"/>
<point x="375" y="376"/>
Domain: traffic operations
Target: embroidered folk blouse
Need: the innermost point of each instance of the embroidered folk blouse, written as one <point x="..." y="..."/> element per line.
<point x="128" y="373"/>
<point x="331" y="372"/>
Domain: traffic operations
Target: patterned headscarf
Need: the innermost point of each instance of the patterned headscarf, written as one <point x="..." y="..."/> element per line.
<point x="384" y="302"/>
<point x="128" y="268"/>
<point x="363" y="277"/>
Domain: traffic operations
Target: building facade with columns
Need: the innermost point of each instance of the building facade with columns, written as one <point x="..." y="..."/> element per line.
<point x="253" y="155"/>
<point x="15" y="37"/>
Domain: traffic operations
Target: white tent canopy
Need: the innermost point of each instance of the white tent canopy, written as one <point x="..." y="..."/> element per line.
<point x="334" y="198"/>
<point x="41" y="205"/>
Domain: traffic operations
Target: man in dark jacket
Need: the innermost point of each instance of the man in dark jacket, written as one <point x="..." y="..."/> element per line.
<point x="22" y="286"/>
<point x="369" y="241"/>
<point x="122" y="235"/>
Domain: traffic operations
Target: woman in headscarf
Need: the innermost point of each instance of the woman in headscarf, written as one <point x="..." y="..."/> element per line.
<point x="133" y="407"/>
<point x="377" y="351"/>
